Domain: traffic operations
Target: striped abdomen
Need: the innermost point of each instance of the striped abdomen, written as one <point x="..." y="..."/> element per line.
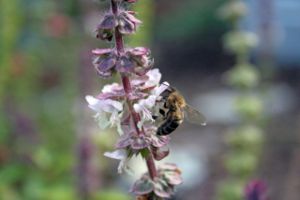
<point x="169" y="126"/>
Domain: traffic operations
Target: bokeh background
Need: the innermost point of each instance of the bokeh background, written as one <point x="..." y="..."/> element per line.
<point x="50" y="147"/>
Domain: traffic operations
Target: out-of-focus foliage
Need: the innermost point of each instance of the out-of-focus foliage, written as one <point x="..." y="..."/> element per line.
<point x="145" y="11"/>
<point x="230" y="190"/>
<point x="244" y="141"/>
<point x="243" y="76"/>
<point x="37" y="46"/>
<point x="39" y="84"/>
<point x="196" y="18"/>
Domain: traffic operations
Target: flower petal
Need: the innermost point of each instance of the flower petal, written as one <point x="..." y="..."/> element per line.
<point x="126" y="26"/>
<point x="119" y="154"/>
<point x="108" y="22"/>
<point x="139" y="51"/>
<point x="173" y="178"/>
<point x="154" y="77"/>
<point x="123" y="167"/>
<point x="102" y="120"/>
<point x="124" y="142"/>
<point x="159" y="154"/>
<point x="106" y="64"/>
<point x="158" y="90"/>
<point x="161" y="191"/>
<point x="142" y="186"/>
<point x="139" y="143"/>
<point x="131" y="17"/>
<point x="168" y="167"/>
<point x="99" y="52"/>
<point x="110" y="106"/>
<point x="124" y="64"/>
<point x="94" y="104"/>
<point x="159" y="141"/>
<point x="110" y="88"/>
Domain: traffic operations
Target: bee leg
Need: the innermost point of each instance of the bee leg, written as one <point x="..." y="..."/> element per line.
<point x="154" y="117"/>
<point x="165" y="105"/>
<point x="162" y="112"/>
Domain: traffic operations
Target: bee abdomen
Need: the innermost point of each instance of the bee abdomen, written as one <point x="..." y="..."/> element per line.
<point x="169" y="126"/>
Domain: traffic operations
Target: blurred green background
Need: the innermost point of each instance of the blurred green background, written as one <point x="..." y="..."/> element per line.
<point x="50" y="147"/>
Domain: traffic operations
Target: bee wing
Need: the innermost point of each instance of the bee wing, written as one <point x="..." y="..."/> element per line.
<point x="194" y="116"/>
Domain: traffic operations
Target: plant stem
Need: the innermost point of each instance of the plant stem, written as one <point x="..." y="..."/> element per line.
<point x="128" y="90"/>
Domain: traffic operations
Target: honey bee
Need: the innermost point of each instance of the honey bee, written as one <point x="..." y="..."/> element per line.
<point x="173" y="109"/>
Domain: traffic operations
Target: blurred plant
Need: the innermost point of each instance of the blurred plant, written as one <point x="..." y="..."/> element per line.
<point x="145" y="10"/>
<point x="35" y="101"/>
<point x="129" y="106"/>
<point x="244" y="141"/>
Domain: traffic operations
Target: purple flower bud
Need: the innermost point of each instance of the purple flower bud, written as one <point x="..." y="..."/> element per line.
<point x="108" y="22"/>
<point x="256" y="190"/>
<point x="106" y="27"/>
<point x="143" y="186"/>
<point x="162" y="189"/>
<point x="124" y="64"/>
<point x="126" y="26"/>
<point x="104" y="61"/>
<point x="159" y="153"/>
<point x="163" y="185"/>
<point x="105" y="64"/>
<point x="159" y="141"/>
<point x="135" y="60"/>
<point x="141" y="57"/>
<point x="127" y="22"/>
<point x="100" y="52"/>
<point x="139" y="51"/>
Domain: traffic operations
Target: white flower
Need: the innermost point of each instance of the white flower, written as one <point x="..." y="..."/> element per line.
<point x="108" y="111"/>
<point x="121" y="155"/>
<point x="154" y="77"/>
<point x="158" y="90"/>
<point x="144" y="106"/>
<point x="111" y="88"/>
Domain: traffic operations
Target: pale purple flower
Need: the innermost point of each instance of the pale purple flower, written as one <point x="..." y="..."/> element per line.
<point x="108" y="112"/>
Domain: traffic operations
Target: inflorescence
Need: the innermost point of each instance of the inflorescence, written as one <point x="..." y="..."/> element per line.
<point x="130" y="105"/>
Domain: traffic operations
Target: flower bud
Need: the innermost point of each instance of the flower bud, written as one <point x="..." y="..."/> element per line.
<point x="162" y="186"/>
<point x="106" y="28"/>
<point x="127" y="22"/>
